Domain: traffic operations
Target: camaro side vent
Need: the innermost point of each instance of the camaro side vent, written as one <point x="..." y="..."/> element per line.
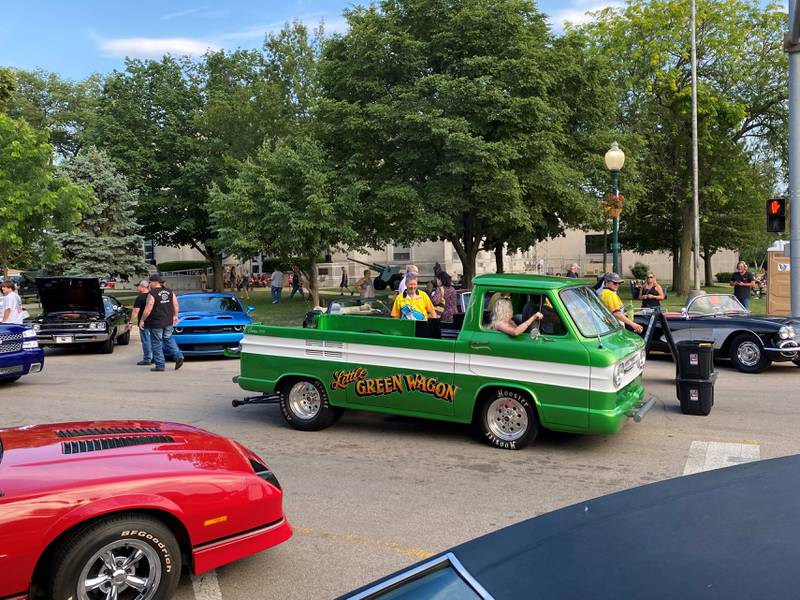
<point x="70" y="433"/>
<point x="79" y="446"/>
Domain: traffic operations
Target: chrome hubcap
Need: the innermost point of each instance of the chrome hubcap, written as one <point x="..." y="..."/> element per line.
<point x="748" y="354"/>
<point x="507" y="419"/>
<point x="304" y="400"/>
<point x="125" y="569"/>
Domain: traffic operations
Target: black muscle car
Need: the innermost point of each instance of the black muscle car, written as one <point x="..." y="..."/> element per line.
<point x="752" y="342"/>
<point x="75" y="312"/>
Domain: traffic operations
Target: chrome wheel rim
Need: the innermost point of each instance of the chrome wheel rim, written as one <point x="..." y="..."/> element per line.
<point x="507" y="419"/>
<point x="748" y="354"/>
<point x="304" y="400"/>
<point x="124" y="569"/>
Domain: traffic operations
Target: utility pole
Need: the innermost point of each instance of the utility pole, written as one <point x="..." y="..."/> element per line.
<point x="792" y="46"/>
<point x="695" y="176"/>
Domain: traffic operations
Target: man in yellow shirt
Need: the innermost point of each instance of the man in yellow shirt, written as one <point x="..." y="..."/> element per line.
<point x="609" y="296"/>
<point x="413" y="303"/>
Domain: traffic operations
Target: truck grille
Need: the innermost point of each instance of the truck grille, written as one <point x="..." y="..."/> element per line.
<point x="209" y="329"/>
<point x="80" y="446"/>
<point x="10" y="342"/>
<point x="63" y="326"/>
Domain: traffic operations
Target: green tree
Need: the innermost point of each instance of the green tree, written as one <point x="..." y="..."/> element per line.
<point x="7" y="86"/>
<point x="150" y="123"/>
<point x="106" y="240"/>
<point x="289" y="198"/>
<point x="62" y="107"/>
<point x="34" y="204"/>
<point x="452" y="120"/>
<point x="741" y="108"/>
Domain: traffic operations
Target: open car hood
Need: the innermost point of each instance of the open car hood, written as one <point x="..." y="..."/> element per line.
<point x="64" y="294"/>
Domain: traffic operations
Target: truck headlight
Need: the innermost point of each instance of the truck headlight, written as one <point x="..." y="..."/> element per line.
<point x="36" y="327"/>
<point x="785" y="333"/>
<point x="29" y="333"/>
<point x="30" y="344"/>
<point x="642" y="358"/>
<point x="98" y="325"/>
<point x="618" y="371"/>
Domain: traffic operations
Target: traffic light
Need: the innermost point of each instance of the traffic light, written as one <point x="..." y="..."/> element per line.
<point x="776" y="215"/>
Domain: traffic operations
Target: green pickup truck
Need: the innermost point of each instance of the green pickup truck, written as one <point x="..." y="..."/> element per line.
<point x="578" y="370"/>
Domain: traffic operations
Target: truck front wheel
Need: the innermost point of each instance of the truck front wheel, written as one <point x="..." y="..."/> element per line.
<point x="305" y="405"/>
<point x="508" y="420"/>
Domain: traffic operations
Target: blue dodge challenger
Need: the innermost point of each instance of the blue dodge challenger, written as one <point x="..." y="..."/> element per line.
<point x="210" y="323"/>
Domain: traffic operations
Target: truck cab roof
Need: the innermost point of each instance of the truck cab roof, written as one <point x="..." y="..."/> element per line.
<point x="518" y="280"/>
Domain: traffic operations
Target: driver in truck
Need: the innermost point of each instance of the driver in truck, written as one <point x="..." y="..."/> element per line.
<point x="610" y="297"/>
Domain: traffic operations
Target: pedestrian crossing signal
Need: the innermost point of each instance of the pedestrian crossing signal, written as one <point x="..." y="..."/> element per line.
<point x="776" y="215"/>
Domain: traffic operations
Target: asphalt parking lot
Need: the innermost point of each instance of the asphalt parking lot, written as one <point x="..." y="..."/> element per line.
<point x="375" y="493"/>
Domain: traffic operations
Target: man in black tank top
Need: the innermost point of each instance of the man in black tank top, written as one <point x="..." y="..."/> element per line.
<point x="160" y="315"/>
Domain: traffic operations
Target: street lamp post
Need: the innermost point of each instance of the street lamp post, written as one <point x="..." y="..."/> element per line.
<point x="615" y="158"/>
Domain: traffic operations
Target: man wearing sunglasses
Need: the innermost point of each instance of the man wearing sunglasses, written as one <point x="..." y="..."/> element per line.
<point x="610" y="297"/>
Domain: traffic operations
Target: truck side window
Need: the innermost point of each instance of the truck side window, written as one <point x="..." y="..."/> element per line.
<point x="524" y="307"/>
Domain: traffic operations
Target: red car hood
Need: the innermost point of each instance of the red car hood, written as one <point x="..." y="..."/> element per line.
<point x="102" y="450"/>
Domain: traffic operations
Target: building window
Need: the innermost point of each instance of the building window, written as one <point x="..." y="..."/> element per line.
<point x="594" y="243"/>
<point x="150" y="252"/>
<point x="401" y="253"/>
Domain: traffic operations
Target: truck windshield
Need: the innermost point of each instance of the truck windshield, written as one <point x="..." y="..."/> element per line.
<point x="589" y="314"/>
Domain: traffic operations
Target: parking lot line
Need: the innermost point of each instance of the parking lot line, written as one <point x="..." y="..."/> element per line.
<point x="387" y="546"/>
<point x="705" y="456"/>
<point x="206" y="586"/>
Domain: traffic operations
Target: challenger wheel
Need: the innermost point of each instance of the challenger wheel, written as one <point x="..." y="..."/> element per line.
<point x="748" y="355"/>
<point x="508" y="420"/>
<point x="125" y="557"/>
<point x="305" y="405"/>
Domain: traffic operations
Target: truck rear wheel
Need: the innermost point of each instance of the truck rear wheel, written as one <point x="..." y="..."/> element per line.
<point x="305" y="405"/>
<point x="508" y="420"/>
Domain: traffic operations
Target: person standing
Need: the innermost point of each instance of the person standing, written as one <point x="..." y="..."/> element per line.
<point x="573" y="271"/>
<point x="203" y="281"/>
<point x="139" y="304"/>
<point x="277" y="285"/>
<point x="344" y="282"/>
<point x="450" y="306"/>
<point x="160" y="316"/>
<point x="297" y="283"/>
<point x="245" y="289"/>
<point x="610" y="297"/>
<point x="365" y="285"/>
<point x="652" y="293"/>
<point x="413" y="303"/>
<point x="410" y="270"/>
<point x="12" y="311"/>
<point x="743" y="282"/>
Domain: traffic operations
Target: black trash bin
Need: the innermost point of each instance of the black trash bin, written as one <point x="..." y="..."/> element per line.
<point x="696" y="395"/>
<point x="695" y="359"/>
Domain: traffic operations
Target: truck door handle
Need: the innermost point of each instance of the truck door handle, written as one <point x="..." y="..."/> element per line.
<point x="478" y="346"/>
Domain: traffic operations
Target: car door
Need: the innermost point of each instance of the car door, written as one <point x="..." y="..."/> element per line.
<point x="554" y="365"/>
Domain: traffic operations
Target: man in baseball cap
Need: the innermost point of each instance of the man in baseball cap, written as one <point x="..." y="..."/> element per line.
<point x="144" y="334"/>
<point x="610" y="297"/>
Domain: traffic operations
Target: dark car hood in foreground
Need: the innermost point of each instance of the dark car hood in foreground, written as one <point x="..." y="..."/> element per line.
<point x="65" y="294"/>
<point x="730" y="533"/>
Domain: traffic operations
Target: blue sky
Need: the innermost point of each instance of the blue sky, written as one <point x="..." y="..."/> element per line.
<point x="80" y="37"/>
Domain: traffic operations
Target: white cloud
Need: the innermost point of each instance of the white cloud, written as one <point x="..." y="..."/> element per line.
<point x="578" y="13"/>
<point x="142" y="47"/>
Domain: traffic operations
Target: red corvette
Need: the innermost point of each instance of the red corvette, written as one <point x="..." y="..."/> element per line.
<point x="115" y="509"/>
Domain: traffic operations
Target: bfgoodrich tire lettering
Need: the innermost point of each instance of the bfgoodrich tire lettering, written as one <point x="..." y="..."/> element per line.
<point x="305" y="405"/>
<point x="135" y="554"/>
<point x="508" y="420"/>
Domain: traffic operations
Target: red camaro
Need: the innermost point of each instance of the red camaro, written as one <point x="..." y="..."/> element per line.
<point x="115" y="509"/>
